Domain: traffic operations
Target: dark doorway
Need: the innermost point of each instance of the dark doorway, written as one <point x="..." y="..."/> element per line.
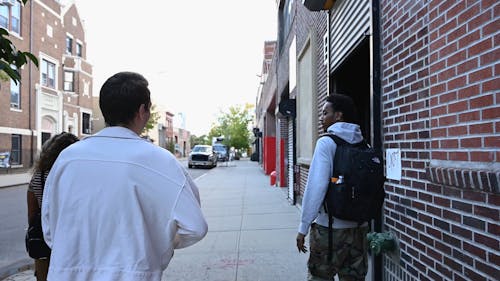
<point x="352" y="78"/>
<point x="45" y="137"/>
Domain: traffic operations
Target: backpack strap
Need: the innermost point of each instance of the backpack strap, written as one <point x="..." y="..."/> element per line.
<point x="340" y="142"/>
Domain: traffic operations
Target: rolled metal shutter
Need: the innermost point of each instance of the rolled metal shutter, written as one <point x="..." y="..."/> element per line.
<point x="350" y="21"/>
<point x="290" y="162"/>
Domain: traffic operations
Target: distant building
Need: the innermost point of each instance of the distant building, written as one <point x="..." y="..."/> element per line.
<point x="56" y="96"/>
<point x="97" y="118"/>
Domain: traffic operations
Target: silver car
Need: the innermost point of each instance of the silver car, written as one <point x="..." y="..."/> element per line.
<point x="202" y="156"/>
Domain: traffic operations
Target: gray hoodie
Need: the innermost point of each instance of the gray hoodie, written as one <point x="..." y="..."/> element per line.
<point x="320" y="172"/>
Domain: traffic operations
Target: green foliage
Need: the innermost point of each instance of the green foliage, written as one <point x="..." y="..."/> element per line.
<point x="11" y="59"/>
<point x="170" y="146"/>
<point x="194" y="140"/>
<point x="153" y="120"/>
<point x="233" y="126"/>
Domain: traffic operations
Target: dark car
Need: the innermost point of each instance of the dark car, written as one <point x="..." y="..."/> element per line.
<point x="202" y="155"/>
<point x="222" y="152"/>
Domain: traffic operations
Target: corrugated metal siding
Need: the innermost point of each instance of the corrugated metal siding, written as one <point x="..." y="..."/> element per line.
<point x="290" y="161"/>
<point x="349" y="22"/>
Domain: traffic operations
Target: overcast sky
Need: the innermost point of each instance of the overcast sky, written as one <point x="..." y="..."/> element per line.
<point x="199" y="56"/>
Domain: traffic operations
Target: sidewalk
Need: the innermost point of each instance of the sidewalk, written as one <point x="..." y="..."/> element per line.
<point x="252" y="230"/>
<point x="7" y="180"/>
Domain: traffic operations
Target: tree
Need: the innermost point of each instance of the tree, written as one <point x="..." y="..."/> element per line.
<point x="194" y="140"/>
<point x="233" y="126"/>
<point x="11" y="59"/>
<point x="171" y="146"/>
<point x="153" y="120"/>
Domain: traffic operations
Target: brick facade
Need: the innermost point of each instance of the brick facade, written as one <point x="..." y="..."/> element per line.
<point x="47" y="110"/>
<point x="440" y="108"/>
<point x="313" y="23"/>
<point x="439" y="85"/>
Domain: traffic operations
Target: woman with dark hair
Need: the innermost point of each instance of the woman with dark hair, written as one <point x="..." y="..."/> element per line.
<point x="48" y="156"/>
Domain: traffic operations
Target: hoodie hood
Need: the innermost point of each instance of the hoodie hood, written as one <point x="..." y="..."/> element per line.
<point x="349" y="132"/>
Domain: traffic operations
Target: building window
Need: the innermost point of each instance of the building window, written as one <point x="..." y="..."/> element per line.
<point x="79" y="49"/>
<point x="86" y="123"/>
<point x="69" y="45"/>
<point x="48" y="70"/>
<point x="4" y="17"/>
<point x="15" y="22"/>
<point x="15" y="94"/>
<point x="306" y="103"/>
<point x="15" y="151"/>
<point x="68" y="81"/>
<point x="10" y="17"/>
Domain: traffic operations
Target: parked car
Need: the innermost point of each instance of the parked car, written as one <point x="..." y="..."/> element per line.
<point x="202" y="156"/>
<point x="222" y="152"/>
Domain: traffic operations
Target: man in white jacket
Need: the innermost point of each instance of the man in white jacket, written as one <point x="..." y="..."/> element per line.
<point x="115" y="206"/>
<point x="349" y="258"/>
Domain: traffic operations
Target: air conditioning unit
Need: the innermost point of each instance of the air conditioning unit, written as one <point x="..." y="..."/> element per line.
<point x="8" y="2"/>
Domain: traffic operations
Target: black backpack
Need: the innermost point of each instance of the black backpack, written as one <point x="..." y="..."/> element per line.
<point x="358" y="191"/>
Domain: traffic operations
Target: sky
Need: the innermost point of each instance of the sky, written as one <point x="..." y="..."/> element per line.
<point x="199" y="56"/>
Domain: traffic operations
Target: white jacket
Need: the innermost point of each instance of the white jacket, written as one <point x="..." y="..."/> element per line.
<point x="115" y="207"/>
<point x="320" y="173"/>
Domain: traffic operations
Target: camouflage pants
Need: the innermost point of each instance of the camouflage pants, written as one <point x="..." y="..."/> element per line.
<point x="349" y="257"/>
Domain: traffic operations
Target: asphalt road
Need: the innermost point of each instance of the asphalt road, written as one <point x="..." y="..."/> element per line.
<point x="13" y="213"/>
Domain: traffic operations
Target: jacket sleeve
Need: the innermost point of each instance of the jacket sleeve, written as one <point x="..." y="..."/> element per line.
<point x="191" y="223"/>
<point x="320" y="171"/>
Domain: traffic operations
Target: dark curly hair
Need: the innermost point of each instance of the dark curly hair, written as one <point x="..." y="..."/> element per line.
<point x="52" y="148"/>
<point x="345" y="104"/>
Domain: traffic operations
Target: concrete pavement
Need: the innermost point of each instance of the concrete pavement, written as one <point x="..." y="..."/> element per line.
<point x="13" y="179"/>
<point x="252" y="229"/>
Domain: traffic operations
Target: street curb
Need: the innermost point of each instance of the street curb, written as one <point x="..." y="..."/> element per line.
<point x="19" y="266"/>
<point x="13" y="185"/>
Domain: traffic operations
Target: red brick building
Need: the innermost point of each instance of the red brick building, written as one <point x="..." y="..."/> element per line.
<point x="56" y="96"/>
<point x="425" y="78"/>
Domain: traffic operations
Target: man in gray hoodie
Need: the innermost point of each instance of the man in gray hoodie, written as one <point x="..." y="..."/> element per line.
<point x="349" y="257"/>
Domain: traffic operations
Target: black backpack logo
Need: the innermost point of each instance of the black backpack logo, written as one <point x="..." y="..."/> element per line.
<point x="358" y="193"/>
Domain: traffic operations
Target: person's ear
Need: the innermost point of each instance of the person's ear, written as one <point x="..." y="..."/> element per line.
<point x="143" y="112"/>
<point x="338" y="116"/>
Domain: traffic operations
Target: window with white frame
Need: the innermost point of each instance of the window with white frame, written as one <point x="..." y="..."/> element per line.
<point x="69" y="45"/>
<point x="79" y="49"/>
<point x="4" y="16"/>
<point x="48" y="70"/>
<point x="10" y="17"/>
<point x="15" y="21"/>
<point x="306" y="103"/>
<point x="86" y="123"/>
<point x="69" y="81"/>
<point x="15" y="94"/>
<point x="15" y="151"/>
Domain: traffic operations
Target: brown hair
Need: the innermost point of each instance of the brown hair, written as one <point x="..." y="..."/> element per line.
<point x="52" y="148"/>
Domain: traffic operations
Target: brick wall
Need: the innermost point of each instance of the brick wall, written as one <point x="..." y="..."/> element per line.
<point x="440" y="108"/>
<point x="313" y="22"/>
<point x="17" y="121"/>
